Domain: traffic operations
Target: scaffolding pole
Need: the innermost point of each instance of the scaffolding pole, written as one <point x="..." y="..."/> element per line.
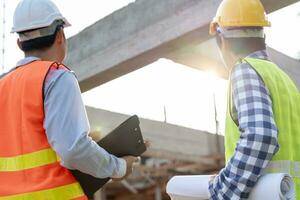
<point x="3" y="36"/>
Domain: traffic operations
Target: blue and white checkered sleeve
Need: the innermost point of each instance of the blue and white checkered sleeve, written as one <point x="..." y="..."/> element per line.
<point x="258" y="136"/>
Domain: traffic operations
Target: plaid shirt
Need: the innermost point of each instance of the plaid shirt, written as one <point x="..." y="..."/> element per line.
<point x="252" y="110"/>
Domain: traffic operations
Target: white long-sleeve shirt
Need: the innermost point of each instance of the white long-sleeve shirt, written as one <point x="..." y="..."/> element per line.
<point x="67" y="127"/>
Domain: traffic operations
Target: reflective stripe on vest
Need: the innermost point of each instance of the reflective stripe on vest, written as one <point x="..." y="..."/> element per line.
<point x="28" y="161"/>
<point x="71" y="191"/>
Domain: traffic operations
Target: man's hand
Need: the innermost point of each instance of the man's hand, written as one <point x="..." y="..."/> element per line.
<point x="96" y="135"/>
<point x="130" y="160"/>
<point x="147" y="143"/>
<point x="212" y="178"/>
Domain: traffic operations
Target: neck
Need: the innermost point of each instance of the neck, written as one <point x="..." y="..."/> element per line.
<point x="247" y="53"/>
<point x="244" y="54"/>
<point x="46" y="55"/>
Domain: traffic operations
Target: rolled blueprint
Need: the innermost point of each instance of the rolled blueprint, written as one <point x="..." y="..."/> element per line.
<point x="275" y="186"/>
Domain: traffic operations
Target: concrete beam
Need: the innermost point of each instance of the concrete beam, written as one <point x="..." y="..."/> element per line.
<point x="139" y="34"/>
<point x="167" y="140"/>
<point x="289" y="65"/>
<point x="206" y="57"/>
<point x="273" y="5"/>
<point x="133" y="37"/>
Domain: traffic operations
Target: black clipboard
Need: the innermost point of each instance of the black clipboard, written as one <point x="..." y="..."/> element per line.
<point x="124" y="140"/>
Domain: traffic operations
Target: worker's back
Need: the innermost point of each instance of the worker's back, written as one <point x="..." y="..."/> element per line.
<point x="286" y="108"/>
<point x="27" y="161"/>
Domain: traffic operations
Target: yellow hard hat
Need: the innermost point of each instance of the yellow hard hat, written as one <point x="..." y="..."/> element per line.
<point x="239" y="13"/>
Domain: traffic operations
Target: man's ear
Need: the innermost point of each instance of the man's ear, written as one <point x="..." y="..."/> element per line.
<point x="19" y="43"/>
<point x="60" y="37"/>
<point x="224" y="43"/>
<point x="221" y="42"/>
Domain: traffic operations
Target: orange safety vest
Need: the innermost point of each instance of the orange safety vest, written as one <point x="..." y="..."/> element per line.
<point x="29" y="168"/>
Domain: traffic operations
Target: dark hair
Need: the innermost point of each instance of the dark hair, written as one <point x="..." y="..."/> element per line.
<point x="243" y="45"/>
<point x="40" y="43"/>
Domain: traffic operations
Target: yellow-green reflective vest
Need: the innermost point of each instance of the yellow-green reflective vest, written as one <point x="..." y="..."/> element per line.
<point x="286" y="109"/>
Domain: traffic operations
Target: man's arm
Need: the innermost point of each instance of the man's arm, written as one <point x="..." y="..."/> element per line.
<point x="258" y="136"/>
<point x="67" y="129"/>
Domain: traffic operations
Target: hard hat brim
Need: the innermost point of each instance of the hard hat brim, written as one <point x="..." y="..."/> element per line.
<point x="66" y="23"/>
<point x="215" y="24"/>
<point x="23" y="29"/>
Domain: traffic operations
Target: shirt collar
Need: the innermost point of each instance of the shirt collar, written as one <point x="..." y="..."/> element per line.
<point x="26" y="60"/>
<point x="21" y="62"/>
<point x="262" y="54"/>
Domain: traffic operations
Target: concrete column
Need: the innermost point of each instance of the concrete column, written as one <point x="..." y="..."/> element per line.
<point x="100" y="195"/>
<point x="158" y="193"/>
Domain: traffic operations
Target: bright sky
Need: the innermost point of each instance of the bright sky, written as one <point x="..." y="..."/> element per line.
<point x="285" y="31"/>
<point x="185" y="93"/>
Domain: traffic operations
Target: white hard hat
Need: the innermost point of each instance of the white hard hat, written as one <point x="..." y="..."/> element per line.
<point x="35" y="14"/>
